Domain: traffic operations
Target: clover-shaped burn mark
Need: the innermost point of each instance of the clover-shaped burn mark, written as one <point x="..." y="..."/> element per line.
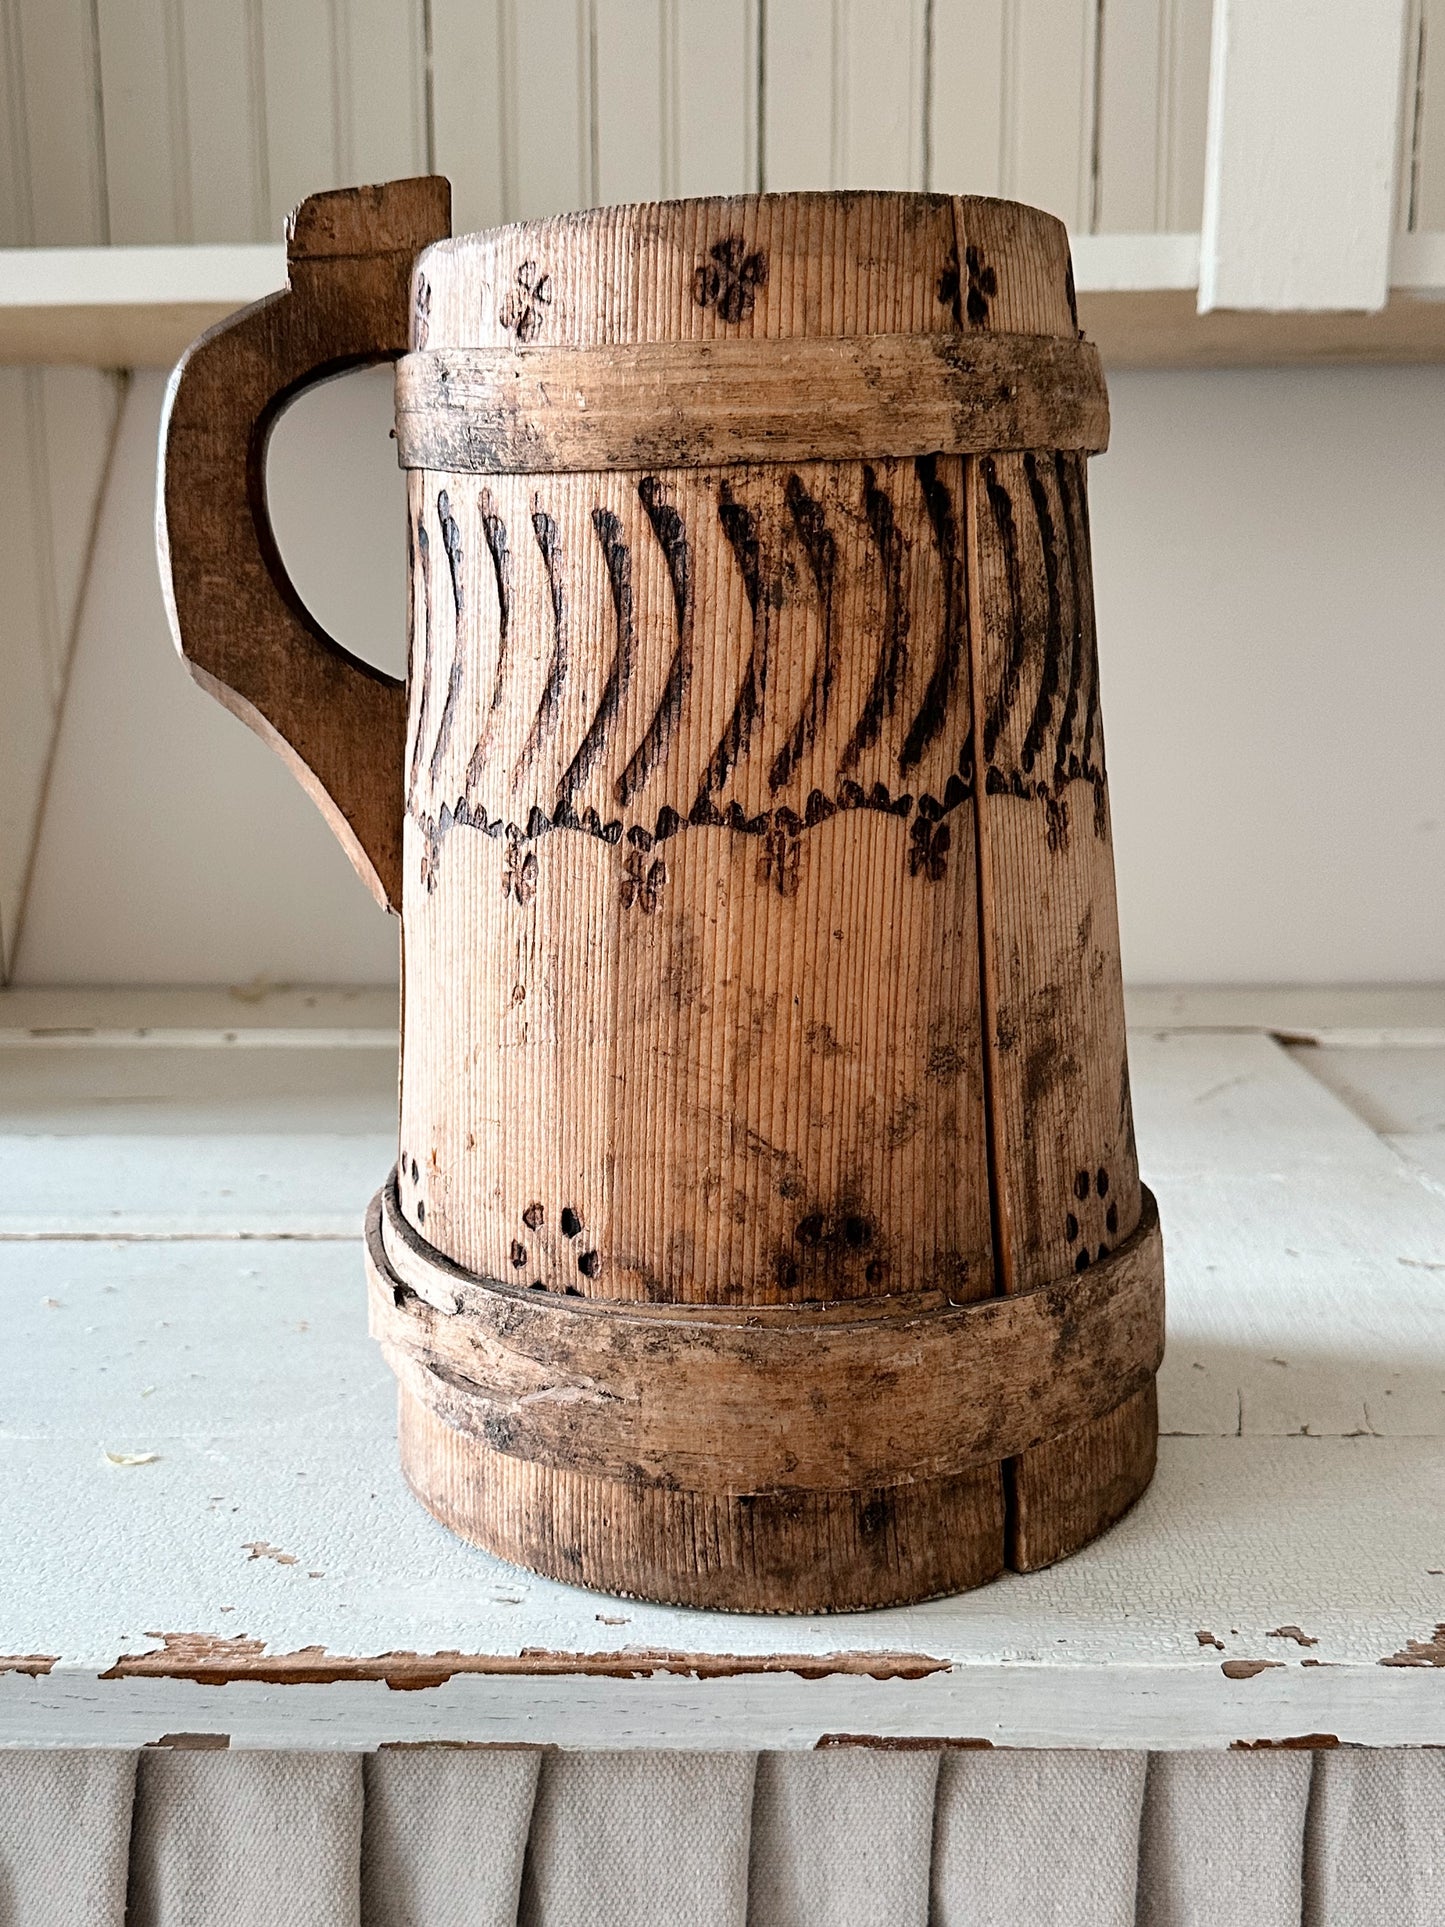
<point x="730" y="278"/>
<point x="928" y="846"/>
<point x="421" y="311"/>
<point x="642" y="882"/>
<point x="969" y="291"/>
<point x="519" y="872"/>
<point x="527" y="304"/>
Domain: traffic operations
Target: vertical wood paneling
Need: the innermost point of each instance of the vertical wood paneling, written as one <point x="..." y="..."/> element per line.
<point x="381" y="90"/>
<point x="845" y="87"/>
<point x="1186" y="80"/>
<point x="299" y="40"/>
<point x="53" y="191"/>
<point x="630" y="74"/>
<point x="1153" y="101"/>
<point x="472" y="87"/>
<point x="882" y="90"/>
<point x="144" y="110"/>
<point x="551" y="131"/>
<point x="966" y="118"/>
<point x="714" y="57"/>
<point x="1048" y="106"/>
<point x="55" y="432"/>
<point x="799" y="91"/>
<point x="1427" y="119"/>
<point x="221" y="52"/>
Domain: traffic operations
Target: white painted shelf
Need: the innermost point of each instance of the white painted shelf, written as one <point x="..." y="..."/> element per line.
<point x="181" y="1282"/>
<point x="141" y="306"/>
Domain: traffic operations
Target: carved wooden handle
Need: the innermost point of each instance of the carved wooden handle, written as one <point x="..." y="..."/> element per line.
<point x="235" y="614"/>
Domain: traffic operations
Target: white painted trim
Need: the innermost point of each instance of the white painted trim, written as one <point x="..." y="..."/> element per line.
<point x="1181" y="1704"/>
<point x="1134" y="263"/>
<point x="1299" y="174"/>
<point x="140" y="277"/>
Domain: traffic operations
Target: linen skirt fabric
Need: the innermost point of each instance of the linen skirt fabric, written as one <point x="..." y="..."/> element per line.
<point x="851" y="1837"/>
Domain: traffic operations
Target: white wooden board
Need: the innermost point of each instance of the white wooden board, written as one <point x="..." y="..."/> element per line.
<point x="1281" y="1583"/>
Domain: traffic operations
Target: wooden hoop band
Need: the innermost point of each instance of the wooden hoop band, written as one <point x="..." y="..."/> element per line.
<point x="696" y="404"/>
<point x="829" y="1397"/>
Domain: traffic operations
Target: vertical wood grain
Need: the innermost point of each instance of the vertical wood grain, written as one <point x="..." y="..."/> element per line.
<point x="1064" y="1168"/>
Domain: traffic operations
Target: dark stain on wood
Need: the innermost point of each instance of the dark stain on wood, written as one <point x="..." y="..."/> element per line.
<point x="452" y="543"/>
<point x="822" y="553"/>
<point x="933" y="710"/>
<point x="1000" y="504"/>
<point x="423" y="553"/>
<point x="544" y="531"/>
<point x="728" y="281"/>
<point x="618" y="558"/>
<point x="667" y="526"/>
<point x="740" y="526"/>
<point x="1049" y="679"/>
<point x="892" y="663"/>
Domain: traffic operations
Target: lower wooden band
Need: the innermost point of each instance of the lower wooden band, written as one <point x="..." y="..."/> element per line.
<point x="808" y="1398"/>
<point x="698" y="404"/>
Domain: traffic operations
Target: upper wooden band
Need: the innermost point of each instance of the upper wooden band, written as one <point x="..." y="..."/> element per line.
<point x="820" y="1397"/>
<point x="697" y="404"/>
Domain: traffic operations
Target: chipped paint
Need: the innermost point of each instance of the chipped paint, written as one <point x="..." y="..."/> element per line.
<point x="207" y="1660"/>
<point x="1206" y="1638"/>
<point x="1294" y="1633"/>
<point x="193" y="1742"/>
<point x="1421" y="1652"/>
<point x="903" y="1743"/>
<point x="1297" y="1742"/>
<point x="1247" y="1668"/>
<point x="32" y="1663"/>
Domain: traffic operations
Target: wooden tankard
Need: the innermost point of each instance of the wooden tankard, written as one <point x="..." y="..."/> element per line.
<point x="766" y="1230"/>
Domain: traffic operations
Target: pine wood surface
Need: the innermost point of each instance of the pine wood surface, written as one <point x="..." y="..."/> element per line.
<point x="240" y="626"/>
<point x="663" y="404"/>
<point x="723" y="986"/>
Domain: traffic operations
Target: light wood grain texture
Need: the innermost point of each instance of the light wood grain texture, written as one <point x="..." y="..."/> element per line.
<point x="338" y="721"/>
<point x="700" y="404"/>
<point x="746" y="680"/>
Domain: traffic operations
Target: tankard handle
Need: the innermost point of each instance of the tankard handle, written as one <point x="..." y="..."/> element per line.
<point x="236" y="616"/>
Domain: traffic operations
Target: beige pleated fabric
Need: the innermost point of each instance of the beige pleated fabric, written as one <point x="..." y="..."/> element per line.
<point x="446" y="1836"/>
<point x="1375" y="1842"/>
<point x="459" y="1837"/>
<point x="842" y="1838"/>
<point x="1222" y="1839"/>
<point x="640" y="1840"/>
<point x="246" y="1840"/>
<point x="64" y="1838"/>
<point x="1037" y="1839"/>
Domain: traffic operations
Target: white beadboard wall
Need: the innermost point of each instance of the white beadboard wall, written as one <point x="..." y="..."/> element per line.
<point x="1270" y="575"/>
